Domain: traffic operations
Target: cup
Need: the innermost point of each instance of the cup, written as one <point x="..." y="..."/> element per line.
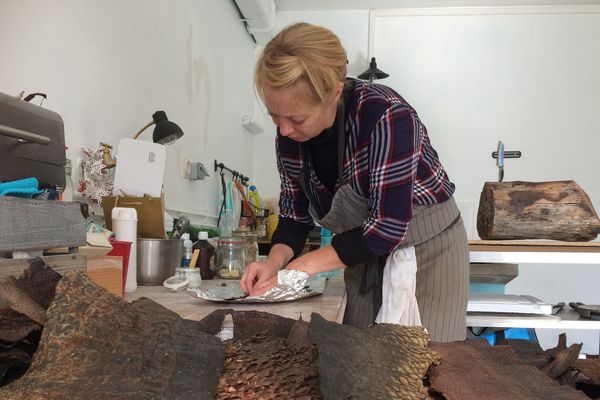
<point x="124" y="224"/>
<point x="184" y="278"/>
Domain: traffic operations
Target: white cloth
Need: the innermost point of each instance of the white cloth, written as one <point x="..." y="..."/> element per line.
<point x="399" y="301"/>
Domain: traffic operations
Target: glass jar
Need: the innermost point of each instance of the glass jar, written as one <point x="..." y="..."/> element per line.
<point x="251" y="240"/>
<point x="231" y="258"/>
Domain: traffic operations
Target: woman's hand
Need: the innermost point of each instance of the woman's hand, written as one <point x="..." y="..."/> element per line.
<point x="259" y="277"/>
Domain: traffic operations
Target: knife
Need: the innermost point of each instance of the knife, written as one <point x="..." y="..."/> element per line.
<point x="500" y="161"/>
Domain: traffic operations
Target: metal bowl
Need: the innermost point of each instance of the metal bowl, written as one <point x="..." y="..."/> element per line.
<point x="157" y="260"/>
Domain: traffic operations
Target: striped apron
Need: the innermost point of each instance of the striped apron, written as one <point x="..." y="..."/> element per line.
<point x="440" y="240"/>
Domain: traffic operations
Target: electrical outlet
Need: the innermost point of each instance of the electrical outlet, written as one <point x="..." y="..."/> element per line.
<point x="186" y="167"/>
<point x="198" y="172"/>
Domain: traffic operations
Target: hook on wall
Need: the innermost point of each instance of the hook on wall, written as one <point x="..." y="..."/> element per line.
<point x="236" y="175"/>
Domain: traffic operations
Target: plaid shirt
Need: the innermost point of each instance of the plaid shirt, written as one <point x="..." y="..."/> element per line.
<point x="388" y="160"/>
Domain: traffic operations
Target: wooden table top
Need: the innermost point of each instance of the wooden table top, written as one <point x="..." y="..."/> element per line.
<point x="534" y="246"/>
<point x="329" y="304"/>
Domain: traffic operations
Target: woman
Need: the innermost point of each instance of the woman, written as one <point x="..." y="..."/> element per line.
<point x="355" y="158"/>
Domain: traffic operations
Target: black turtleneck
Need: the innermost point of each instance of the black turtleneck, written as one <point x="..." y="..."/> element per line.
<point x="323" y="149"/>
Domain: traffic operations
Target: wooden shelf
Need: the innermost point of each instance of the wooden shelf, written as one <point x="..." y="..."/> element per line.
<point x="534" y="252"/>
<point x="533" y="246"/>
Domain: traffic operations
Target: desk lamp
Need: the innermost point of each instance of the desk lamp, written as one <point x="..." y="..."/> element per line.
<point x="373" y="72"/>
<point x="165" y="132"/>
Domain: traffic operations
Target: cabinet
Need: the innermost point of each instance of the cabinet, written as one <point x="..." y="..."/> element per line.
<point x="543" y="252"/>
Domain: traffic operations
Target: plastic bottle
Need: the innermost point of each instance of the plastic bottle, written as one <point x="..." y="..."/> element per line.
<point x="254" y="199"/>
<point x="124" y="225"/>
<point x="206" y="260"/>
<point x="325" y="237"/>
<point x="187" y="250"/>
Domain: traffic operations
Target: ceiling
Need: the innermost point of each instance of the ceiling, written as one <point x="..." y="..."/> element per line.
<point x="315" y="5"/>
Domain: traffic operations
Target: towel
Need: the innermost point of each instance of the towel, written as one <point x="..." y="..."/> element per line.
<point x="399" y="301"/>
<point x="27" y="187"/>
<point x="227" y="223"/>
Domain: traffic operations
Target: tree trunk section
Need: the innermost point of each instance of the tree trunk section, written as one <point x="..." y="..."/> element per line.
<point x="557" y="210"/>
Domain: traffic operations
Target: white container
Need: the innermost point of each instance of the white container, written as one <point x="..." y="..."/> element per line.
<point x="124" y="224"/>
<point x="184" y="278"/>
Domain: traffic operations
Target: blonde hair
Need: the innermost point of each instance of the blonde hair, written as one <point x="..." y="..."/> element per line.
<point x="302" y="54"/>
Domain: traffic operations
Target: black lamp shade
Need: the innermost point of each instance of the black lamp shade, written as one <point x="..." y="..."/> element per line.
<point x="165" y="132"/>
<point x="373" y="72"/>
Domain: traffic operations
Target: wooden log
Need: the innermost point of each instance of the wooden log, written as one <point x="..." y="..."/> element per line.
<point x="557" y="210"/>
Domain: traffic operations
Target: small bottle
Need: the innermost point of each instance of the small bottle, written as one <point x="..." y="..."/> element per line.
<point x="206" y="261"/>
<point x="325" y="237"/>
<point x="187" y="250"/>
<point x="261" y="228"/>
<point x="254" y="199"/>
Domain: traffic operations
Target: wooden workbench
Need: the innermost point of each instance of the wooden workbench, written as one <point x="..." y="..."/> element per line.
<point x="329" y="304"/>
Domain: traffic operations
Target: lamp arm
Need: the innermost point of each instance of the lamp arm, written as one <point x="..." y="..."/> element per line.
<point x="142" y="130"/>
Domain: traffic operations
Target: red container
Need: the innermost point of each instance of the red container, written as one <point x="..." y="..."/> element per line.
<point x="121" y="249"/>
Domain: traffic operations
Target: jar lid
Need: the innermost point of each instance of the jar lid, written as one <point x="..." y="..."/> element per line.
<point x="244" y="234"/>
<point x="232" y="241"/>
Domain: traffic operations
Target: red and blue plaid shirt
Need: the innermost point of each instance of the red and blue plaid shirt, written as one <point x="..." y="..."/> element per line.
<point x="388" y="160"/>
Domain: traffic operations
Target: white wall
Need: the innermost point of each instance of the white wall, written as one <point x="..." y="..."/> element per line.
<point x="106" y="66"/>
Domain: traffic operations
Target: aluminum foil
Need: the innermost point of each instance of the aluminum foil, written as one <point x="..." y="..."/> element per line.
<point x="291" y="285"/>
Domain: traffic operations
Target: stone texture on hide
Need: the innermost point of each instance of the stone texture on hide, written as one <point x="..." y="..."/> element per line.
<point x="13" y="358"/>
<point x="15" y="298"/>
<point x="590" y="367"/>
<point x="39" y="282"/>
<point x="15" y="326"/>
<point x="97" y="346"/>
<point x="472" y="369"/>
<point x="384" y="361"/>
<point x="23" y="301"/>
<point x="267" y="367"/>
<point x="249" y="323"/>
<point x="23" y="304"/>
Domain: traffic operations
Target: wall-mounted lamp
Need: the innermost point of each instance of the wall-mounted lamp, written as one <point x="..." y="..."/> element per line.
<point x="165" y="132"/>
<point x="373" y="72"/>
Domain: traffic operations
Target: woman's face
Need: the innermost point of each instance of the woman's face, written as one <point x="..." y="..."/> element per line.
<point x="296" y="117"/>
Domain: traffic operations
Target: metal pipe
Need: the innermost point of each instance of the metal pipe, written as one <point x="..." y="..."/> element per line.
<point x="243" y="179"/>
<point x="23" y="135"/>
